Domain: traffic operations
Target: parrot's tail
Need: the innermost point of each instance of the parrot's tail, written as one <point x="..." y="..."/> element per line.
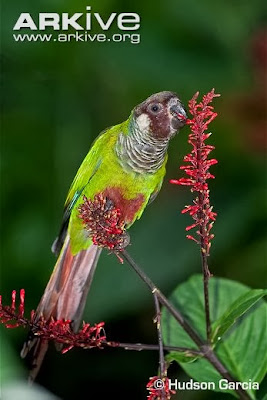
<point x="64" y="297"/>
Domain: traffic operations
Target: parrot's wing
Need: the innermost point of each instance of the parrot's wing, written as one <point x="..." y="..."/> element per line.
<point x="85" y="173"/>
<point x="155" y="193"/>
<point x="151" y="198"/>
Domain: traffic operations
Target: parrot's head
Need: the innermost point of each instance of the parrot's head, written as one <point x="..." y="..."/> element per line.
<point x="161" y="115"/>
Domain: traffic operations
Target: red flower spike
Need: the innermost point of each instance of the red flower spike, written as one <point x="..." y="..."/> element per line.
<point x="59" y="331"/>
<point x="159" y="388"/>
<point x="103" y="223"/>
<point x="198" y="169"/>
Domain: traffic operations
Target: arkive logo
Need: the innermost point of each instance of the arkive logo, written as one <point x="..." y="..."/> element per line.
<point x="79" y="22"/>
<point x="125" y="21"/>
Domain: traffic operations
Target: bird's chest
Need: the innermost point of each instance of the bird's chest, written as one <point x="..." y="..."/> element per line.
<point x="129" y="191"/>
<point x="129" y="207"/>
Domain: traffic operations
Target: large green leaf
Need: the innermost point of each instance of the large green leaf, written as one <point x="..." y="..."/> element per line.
<point x="236" y="309"/>
<point x="242" y="349"/>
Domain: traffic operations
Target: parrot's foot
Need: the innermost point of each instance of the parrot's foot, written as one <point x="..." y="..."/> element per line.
<point x="123" y="241"/>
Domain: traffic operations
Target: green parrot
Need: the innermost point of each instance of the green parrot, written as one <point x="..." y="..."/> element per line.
<point x="125" y="164"/>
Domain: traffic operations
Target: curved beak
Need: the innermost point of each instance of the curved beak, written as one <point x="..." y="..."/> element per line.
<point x="178" y="111"/>
<point x="179" y="115"/>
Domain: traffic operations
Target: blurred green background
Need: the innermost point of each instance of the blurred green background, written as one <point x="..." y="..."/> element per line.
<point x="57" y="97"/>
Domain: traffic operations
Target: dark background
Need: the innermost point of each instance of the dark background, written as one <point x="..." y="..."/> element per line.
<point x="56" y="98"/>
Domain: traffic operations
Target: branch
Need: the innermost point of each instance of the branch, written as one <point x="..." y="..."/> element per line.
<point x="205" y="348"/>
<point x="61" y="331"/>
<point x="143" y="346"/>
<point x="206" y="276"/>
<point x="157" y="320"/>
<point x="163" y="300"/>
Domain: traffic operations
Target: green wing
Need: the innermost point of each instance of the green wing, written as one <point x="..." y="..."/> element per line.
<point x="155" y="193"/>
<point x="85" y="173"/>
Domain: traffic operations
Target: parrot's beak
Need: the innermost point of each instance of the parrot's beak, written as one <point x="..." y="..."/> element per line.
<point x="179" y="116"/>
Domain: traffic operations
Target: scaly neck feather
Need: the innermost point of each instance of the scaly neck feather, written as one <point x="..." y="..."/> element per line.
<point x="138" y="151"/>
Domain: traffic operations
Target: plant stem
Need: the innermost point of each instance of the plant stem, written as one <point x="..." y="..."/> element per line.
<point x="144" y="346"/>
<point x="162" y="364"/>
<point x="203" y="233"/>
<point x="206" y="276"/>
<point x="163" y="300"/>
<point x="208" y="352"/>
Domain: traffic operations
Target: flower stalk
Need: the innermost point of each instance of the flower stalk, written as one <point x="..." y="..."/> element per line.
<point x="197" y="169"/>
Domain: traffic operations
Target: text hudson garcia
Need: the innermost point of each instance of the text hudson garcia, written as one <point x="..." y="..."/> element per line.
<point x="64" y="21"/>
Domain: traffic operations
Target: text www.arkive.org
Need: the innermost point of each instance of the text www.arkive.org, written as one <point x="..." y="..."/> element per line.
<point x="133" y="38"/>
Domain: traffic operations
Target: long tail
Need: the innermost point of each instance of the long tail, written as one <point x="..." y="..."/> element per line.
<point x="64" y="297"/>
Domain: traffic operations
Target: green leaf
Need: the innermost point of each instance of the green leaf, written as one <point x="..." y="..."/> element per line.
<point x="242" y="348"/>
<point x="180" y="356"/>
<point x="236" y="309"/>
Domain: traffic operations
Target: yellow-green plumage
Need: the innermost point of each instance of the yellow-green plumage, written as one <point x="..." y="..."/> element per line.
<point x="101" y="170"/>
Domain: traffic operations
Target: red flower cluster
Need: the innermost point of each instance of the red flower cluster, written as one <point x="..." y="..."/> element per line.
<point x="59" y="331"/>
<point x="159" y="389"/>
<point x="198" y="169"/>
<point x="103" y="222"/>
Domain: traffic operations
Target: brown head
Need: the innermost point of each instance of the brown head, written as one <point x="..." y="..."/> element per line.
<point x="161" y="115"/>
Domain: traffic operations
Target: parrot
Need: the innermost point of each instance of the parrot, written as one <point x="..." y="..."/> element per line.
<point x="126" y="164"/>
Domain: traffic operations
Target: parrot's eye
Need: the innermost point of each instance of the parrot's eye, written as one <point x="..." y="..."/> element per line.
<point x="155" y="108"/>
